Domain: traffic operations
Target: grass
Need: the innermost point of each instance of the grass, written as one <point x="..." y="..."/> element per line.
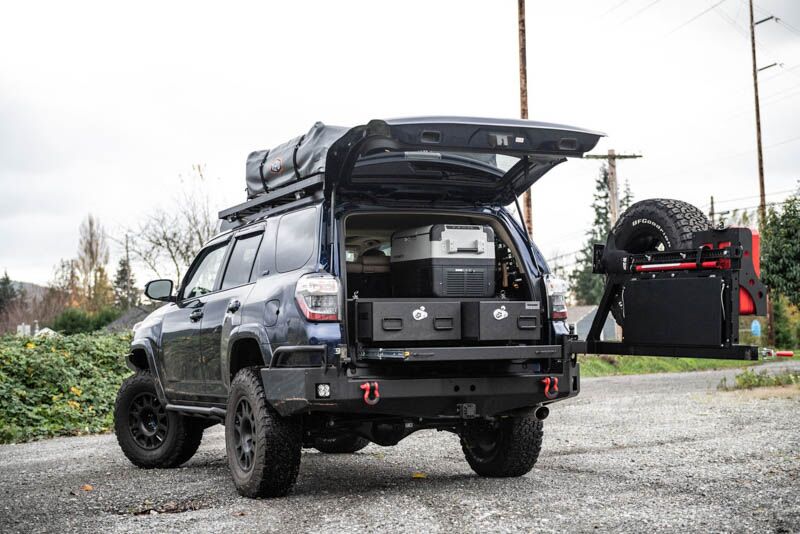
<point x="637" y="365"/>
<point x="749" y="379"/>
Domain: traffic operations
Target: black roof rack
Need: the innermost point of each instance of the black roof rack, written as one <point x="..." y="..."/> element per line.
<point x="278" y="197"/>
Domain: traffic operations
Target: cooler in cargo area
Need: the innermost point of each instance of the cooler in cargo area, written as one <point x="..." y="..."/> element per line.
<point x="443" y="260"/>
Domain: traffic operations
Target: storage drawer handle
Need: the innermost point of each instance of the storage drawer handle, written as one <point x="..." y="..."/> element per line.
<point x="392" y="323"/>
<point x="443" y="323"/>
<point x="527" y="322"/>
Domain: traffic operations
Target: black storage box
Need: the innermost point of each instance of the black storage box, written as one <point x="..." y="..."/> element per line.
<point x="408" y="320"/>
<point x="501" y="320"/>
<point x="674" y="311"/>
<point x="443" y="260"/>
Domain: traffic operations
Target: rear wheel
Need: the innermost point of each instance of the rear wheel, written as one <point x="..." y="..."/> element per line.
<point x="341" y="444"/>
<point x="263" y="447"/>
<point x="148" y="434"/>
<point x="655" y="224"/>
<point x="505" y="448"/>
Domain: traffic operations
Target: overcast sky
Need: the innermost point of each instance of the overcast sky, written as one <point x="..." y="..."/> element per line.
<point x="103" y="107"/>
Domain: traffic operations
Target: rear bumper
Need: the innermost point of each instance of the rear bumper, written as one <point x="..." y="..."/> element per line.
<point x="294" y="391"/>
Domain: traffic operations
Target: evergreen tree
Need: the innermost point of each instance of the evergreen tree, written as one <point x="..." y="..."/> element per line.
<point x="125" y="292"/>
<point x="784" y="329"/>
<point x="780" y="249"/>
<point x="7" y="292"/>
<point x="586" y="286"/>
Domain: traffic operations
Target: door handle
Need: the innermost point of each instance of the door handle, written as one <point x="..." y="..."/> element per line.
<point x="196" y="315"/>
<point x="234" y="305"/>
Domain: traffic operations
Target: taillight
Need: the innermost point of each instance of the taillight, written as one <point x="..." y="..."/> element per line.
<point x="557" y="289"/>
<point x="318" y="297"/>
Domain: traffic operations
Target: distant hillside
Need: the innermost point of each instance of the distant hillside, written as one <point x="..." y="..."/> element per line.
<point x="32" y="291"/>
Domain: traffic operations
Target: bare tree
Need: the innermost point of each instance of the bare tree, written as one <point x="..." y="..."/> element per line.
<point x="91" y="265"/>
<point x="170" y="237"/>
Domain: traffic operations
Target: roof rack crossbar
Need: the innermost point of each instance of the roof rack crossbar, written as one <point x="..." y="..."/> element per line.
<point x="276" y="197"/>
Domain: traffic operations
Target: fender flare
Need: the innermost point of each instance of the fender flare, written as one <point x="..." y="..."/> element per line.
<point x="145" y="345"/>
<point x="247" y="331"/>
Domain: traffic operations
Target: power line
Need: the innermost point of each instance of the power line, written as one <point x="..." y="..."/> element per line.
<point x="787" y="26"/>
<point x="723" y="157"/>
<point x="695" y="18"/>
<point x="645" y="8"/>
<point x="725" y="201"/>
<point x="614" y="8"/>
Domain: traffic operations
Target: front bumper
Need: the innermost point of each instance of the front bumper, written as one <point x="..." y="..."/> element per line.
<point x="294" y="391"/>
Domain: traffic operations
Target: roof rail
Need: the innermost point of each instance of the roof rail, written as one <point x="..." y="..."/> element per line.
<point x="278" y="197"/>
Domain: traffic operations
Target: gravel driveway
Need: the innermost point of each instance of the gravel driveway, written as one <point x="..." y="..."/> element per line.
<point x="656" y="453"/>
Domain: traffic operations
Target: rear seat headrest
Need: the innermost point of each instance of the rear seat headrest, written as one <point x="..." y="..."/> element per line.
<point x="354" y="267"/>
<point x="375" y="264"/>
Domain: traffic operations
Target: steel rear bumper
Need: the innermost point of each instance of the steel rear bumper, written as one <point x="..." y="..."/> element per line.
<point x="294" y="391"/>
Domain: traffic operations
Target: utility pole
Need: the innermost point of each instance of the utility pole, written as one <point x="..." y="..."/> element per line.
<point x="711" y="211"/>
<point x="527" y="215"/>
<point x="762" y="207"/>
<point x="613" y="189"/>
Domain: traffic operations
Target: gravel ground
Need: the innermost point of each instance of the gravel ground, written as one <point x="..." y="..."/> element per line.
<point x="657" y="453"/>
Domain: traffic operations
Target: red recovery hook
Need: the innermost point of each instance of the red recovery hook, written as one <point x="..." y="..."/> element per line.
<point x="547" y="381"/>
<point x="371" y="393"/>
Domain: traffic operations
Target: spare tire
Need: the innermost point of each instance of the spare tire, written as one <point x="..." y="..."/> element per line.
<point x="655" y="224"/>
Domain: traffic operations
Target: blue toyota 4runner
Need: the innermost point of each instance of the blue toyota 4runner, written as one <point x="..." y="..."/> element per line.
<point x="375" y="284"/>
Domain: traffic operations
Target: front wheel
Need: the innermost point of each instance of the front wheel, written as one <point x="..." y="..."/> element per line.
<point x="505" y="448"/>
<point x="263" y="447"/>
<point x="147" y="433"/>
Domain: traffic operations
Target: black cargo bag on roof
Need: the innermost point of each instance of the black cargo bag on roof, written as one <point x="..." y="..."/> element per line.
<point x="297" y="159"/>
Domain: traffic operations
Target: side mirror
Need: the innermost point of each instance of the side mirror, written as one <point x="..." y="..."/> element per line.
<point x="159" y="290"/>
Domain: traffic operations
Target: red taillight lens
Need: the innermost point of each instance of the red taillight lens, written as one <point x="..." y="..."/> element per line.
<point x="557" y="294"/>
<point x="317" y="296"/>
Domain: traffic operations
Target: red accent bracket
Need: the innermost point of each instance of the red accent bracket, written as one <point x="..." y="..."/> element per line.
<point x="371" y="393"/>
<point x="548" y="381"/>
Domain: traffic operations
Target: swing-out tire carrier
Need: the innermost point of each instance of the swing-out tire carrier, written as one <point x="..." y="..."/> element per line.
<point x="681" y="303"/>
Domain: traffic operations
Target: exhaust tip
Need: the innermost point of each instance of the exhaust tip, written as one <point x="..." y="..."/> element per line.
<point x="541" y="413"/>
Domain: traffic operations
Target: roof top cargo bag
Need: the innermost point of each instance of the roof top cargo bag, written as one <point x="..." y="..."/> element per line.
<point x="297" y="159"/>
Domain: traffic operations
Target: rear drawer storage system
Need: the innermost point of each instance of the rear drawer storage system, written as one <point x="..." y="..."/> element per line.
<point x="426" y="320"/>
<point x="395" y="320"/>
<point x="443" y="260"/>
<point x="500" y="320"/>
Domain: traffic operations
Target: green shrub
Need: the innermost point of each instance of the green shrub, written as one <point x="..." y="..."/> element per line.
<point x="750" y="379"/>
<point x="62" y="385"/>
<point x="76" y="321"/>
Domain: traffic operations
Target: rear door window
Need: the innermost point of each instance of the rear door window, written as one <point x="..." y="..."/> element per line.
<point x="297" y="234"/>
<point x="240" y="264"/>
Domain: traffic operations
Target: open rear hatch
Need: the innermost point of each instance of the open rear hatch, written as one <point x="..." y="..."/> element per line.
<point x="452" y="158"/>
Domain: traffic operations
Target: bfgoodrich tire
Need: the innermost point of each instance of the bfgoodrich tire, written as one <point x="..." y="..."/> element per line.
<point x="263" y="447"/>
<point x="341" y="444"/>
<point x="505" y="448"/>
<point x="148" y="434"/>
<point x="655" y="224"/>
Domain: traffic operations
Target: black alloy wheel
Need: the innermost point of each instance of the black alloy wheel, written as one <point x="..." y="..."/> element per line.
<point x="244" y="423"/>
<point x="148" y="421"/>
